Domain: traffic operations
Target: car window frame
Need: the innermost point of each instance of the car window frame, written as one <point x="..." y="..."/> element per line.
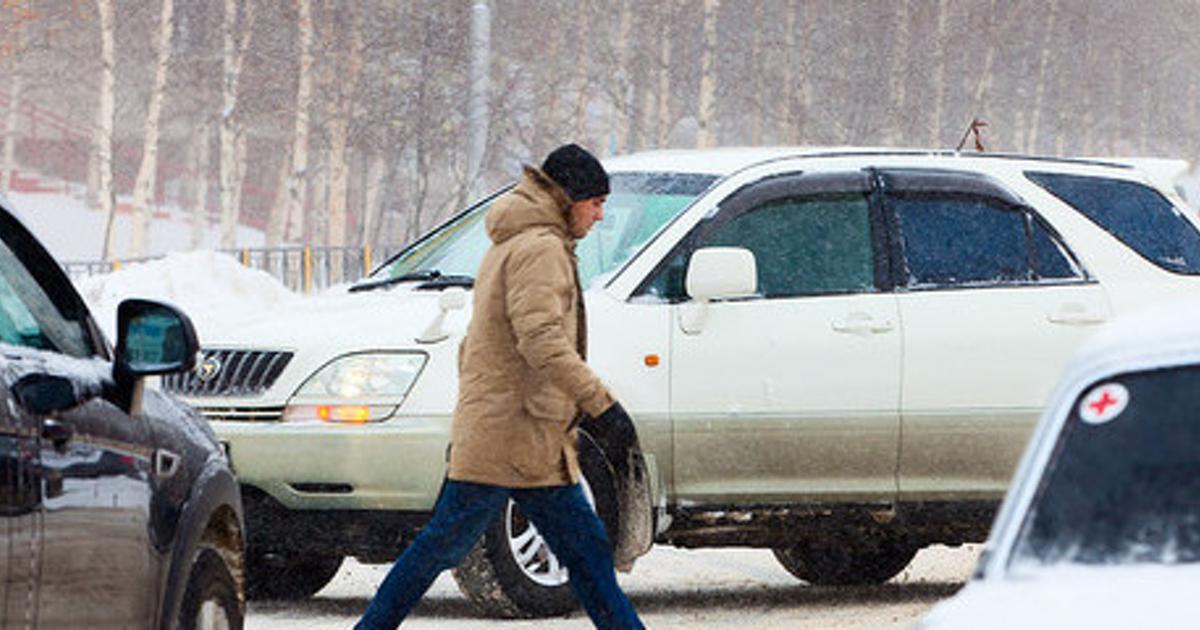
<point x="766" y="191"/>
<point x="892" y="183"/>
<point x="1034" y="175"/>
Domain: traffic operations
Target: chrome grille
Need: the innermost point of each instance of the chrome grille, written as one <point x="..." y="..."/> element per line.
<point x="229" y="373"/>
<point x="242" y="414"/>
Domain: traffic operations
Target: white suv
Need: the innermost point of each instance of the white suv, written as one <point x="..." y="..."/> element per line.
<point x="838" y="355"/>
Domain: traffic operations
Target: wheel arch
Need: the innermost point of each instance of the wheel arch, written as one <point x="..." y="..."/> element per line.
<point x="211" y="516"/>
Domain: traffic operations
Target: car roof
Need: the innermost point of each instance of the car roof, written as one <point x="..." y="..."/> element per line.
<point x="727" y="160"/>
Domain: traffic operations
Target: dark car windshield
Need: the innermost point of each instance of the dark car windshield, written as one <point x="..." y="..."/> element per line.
<point x="639" y="204"/>
<point x="1123" y="484"/>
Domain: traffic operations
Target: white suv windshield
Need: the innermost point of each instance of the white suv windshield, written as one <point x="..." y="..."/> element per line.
<point x="1123" y="485"/>
<point x="639" y="204"/>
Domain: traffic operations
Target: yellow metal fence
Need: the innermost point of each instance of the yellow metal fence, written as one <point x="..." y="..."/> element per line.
<point x="301" y="269"/>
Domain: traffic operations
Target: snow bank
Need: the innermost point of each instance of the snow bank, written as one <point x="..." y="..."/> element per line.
<point x="207" y="285"/>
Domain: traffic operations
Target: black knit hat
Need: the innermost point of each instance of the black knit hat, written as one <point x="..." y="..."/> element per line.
<point x="577" y="171"/>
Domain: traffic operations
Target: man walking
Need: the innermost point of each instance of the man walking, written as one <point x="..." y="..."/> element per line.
<point x="522" y="382"/>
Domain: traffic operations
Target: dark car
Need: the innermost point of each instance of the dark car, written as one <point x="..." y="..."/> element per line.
<point x="118" y="508"/>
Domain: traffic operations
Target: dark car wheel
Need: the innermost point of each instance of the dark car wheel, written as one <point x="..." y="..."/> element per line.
<point x="272" y="575"/>
<point x="211" y="600"/>
<point x="845" y="563"/>
<point x="512" y="573"/>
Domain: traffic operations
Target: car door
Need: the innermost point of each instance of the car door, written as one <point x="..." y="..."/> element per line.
<point x="794" y="394"/>
<point x="20" y="496"/>
<point x="993" y="304"/>
<point x="94" y="565"/>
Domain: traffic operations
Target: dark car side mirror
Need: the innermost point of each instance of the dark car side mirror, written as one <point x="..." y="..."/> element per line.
<point x="152" y="338"/>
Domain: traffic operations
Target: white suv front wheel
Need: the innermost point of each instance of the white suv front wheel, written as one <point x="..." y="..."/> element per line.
<point x="512" y="573"/>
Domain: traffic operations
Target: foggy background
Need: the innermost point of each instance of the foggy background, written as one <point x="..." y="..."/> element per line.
<point x="326" y="122"/>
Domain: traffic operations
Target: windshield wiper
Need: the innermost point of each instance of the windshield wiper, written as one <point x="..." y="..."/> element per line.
<point x="443" y="282"/>
<point x="420" y="276"/>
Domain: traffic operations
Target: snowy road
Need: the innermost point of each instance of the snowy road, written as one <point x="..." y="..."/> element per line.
<point x="671" y="588"/>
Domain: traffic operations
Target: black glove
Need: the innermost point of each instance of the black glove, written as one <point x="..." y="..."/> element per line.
<point x="614" y="433"/>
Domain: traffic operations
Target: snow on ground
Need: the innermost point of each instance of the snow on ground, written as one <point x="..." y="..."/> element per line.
<point x="207" y="285"/>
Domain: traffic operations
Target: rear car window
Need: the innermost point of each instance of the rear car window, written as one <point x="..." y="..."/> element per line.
<point x="1137" y="215"/>
<point x="1123" y="484"/>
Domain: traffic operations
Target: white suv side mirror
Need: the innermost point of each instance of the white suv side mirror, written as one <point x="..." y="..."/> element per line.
<point x="722" y="272"/>
<point x="716" y="273"/>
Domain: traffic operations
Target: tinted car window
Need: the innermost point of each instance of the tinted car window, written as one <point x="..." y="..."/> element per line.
<point x="1051" y="260"/>
<point x="1135" y="214"/>
<point x="949" y="240"/>
<point x="1123" y="484"/>
<point x="802" y="246"/>
<point x="30" y="314"/>
<point x="809" y="246"/>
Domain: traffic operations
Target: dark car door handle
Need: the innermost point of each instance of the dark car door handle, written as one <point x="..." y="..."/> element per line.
<point x="59" y="433"/>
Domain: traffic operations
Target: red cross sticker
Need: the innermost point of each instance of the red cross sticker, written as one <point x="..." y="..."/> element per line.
<point x="1103" y="404"/>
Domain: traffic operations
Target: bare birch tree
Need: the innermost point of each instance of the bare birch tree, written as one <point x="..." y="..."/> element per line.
<point x="706" y="110"/>
<point x="230" y="132"/>
<point x="941" y="55"/>
<point x="15" y="89"/>
<point x="143" y="187"/>
<point x="202" y="151"/>
<point x="342" y="79"/>
<point x="287" y="220"/>
<point x="1039" y="98"/>
<point x="106" y="123"/>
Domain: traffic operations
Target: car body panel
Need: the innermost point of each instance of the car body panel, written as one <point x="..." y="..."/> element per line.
<point x="758" y="418"/>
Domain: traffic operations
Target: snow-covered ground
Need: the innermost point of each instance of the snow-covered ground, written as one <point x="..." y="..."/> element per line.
<point x="204" y="283"/>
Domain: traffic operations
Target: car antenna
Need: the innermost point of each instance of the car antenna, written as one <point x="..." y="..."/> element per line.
<point x="973" y="129"/>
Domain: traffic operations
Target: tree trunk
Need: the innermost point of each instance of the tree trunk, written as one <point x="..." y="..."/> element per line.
<point x="479" y="95"/>
<point x="203" y="166"/>
<point x="665" y="121"/>
<point x="623" y="85"/>
<point x="376" y="173"/>
<point x="898" y="77"/>
<point x="706" y="111"/>
<point x="297" y="183"/>
<point x="229" y="133"/>
<point x="582" y="81"/>
<point x="143" y="188"/>
<point x="106" y="122"/>
<point x="15" y="88"/>
<point x="983" y="84"/>
<point x="287" y="213"/>
<point x="937" y="116"/>
<point x="1039" y="98"/>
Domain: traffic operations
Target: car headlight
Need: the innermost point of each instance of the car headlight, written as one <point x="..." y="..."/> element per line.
<point x="356" y="388"/>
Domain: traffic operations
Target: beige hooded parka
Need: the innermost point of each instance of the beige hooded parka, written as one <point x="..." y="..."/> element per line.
<point x="522" y="375"/>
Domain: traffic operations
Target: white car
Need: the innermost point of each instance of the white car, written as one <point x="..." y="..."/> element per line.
<point x="835" y="354"/>
<point x="1101" y="527"/>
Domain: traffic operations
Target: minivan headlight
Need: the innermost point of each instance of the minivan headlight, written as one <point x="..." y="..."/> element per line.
<point x="356" y="388"/>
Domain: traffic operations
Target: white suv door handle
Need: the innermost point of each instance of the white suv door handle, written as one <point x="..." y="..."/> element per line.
<point x="861" y="324"/>
<point x="1076" y="314"/>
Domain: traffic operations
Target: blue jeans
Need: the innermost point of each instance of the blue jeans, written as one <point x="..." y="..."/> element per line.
<point x="561" y="514"/>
